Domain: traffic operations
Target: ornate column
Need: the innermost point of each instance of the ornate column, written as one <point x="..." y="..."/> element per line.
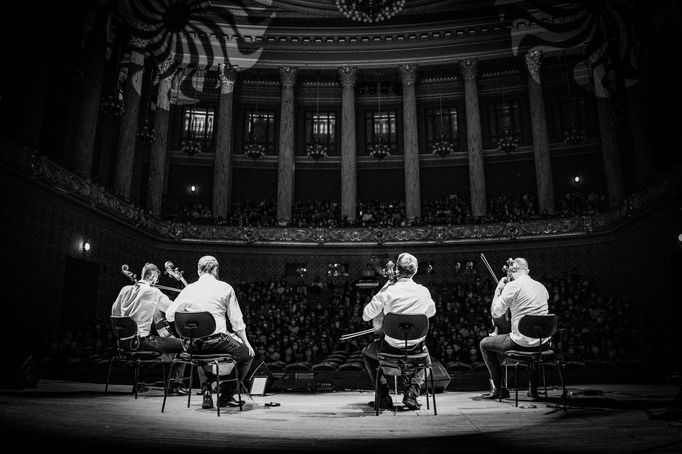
<point x="159" y="149"/>
<point x="349" y="185"/>
<point x="408" y="76"/>
<point x="88" y="110"/>
<point x="125" y="153"/>
<point x="469" y="70"/>
<point x="538" y="121"/>
<point x="222" y="176"/>
<point x="286" y="169"/>
<point x="613" y="170"/>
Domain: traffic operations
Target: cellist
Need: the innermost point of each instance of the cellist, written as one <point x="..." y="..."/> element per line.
<point x="522" y="295"/>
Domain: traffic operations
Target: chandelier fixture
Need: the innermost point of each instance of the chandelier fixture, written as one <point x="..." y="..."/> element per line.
<point x="254" y="149"/>
<point x="191" y="146"/>
<point x="442" y="146"/>
<point x="575" y="135"/>
<point x="316" y="150"/>
<point x="370" y="10"/>
<point x="113" y="105"/>
<point x="146" y="133"/>
<point x="507" y="142"/>
<point x="378" y="149"/>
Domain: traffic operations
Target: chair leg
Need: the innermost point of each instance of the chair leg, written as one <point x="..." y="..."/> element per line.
<point x="433" y="393"/>
<point x="106" y="386"/>
<point x="376" y="391"/>
<point x="166" y="385"/>
<point x="516" y="386"/>
<point x="564" y="394"/>
<point x="239" y="387"/>
<point x="163" y="375"/>
<point x="217" y="375"/>
<point x="426" y="382"/>
<point x="137" y="375"/>
<point x="544" y="379"/>
<point x="191" y="376"/>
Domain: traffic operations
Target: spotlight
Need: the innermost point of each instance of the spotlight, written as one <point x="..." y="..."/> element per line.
<point x="193" y="188"/>
<point x="86" y="247"/>
<point x="576" y="179"/>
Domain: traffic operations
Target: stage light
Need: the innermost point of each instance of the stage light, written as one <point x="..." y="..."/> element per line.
<point x="86" y="247"/>
<point x="192" y="188"/>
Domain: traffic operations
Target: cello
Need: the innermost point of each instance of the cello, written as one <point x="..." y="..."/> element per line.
<point x="501" y="325"/>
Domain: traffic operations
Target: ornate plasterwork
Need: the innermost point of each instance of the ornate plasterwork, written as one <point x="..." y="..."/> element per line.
<point x="35" y="166"/>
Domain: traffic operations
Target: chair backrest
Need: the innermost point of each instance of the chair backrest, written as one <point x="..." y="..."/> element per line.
<point x="405" y="326"/>
<point x="538" y="326"/>
<point x="123" y="327"/>
<point x="194" y="325"/>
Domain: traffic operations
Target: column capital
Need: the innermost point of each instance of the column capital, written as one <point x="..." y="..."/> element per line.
<point x="287" y="75"/>
<point x="227" y="74"/>
<point x="348" y="75"/>
<point x="164" y="67"/>
<point x="469" y="68"/>
<point x="534" y="61"/>
<point x="408" y="74"/>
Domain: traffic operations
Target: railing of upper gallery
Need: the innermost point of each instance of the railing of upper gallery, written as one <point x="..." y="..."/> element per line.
<point x="26" y="161"/>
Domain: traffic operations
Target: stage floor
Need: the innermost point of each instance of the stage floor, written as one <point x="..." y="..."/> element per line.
<point x="599" y="418"/>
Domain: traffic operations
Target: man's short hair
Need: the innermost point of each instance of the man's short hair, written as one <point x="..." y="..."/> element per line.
<point x="148" y="269"/>
<point x="521" y="264"/>
<point x="407" y="265"/>
<point x="207" y="264"/>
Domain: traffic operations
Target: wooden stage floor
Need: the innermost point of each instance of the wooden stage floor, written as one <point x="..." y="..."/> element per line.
<point x="79" y="417"/>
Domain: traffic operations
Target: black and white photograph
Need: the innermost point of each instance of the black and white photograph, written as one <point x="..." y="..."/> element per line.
<point x="345" y="226"/>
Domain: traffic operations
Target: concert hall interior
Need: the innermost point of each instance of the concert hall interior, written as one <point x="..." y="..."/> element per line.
<point x="305" y="144"/>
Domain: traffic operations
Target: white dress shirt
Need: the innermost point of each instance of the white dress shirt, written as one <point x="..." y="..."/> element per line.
<point x="402" y="297"/>
<point x="524" y="296"/>
<point x="212" y="295"/>
<point x="139" y="301"/>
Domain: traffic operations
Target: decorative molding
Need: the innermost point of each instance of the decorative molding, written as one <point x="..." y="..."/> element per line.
<point x="469" y="69"/>
<point x="408" y="74"/>
<point x="287" y="75"/>
<point x="534" y="61"/>
<point x="26" y="160"/>
<point x="348" y="75"/>
<point x="227" y="74"/>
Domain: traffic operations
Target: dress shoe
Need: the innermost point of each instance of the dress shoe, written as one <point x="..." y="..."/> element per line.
<point x="385" y="402"/>
<point x="208" y="400"/>
<point x="495" y="394"/>
<point x="141" y="388"/>
<point x="410" y="398"/>
<point x="179" y="390"/>
<point x="230" y="402"/>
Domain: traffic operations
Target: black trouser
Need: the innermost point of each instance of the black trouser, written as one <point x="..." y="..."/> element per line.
<point x="369" y="355"/>
<point x="223" y="343"/>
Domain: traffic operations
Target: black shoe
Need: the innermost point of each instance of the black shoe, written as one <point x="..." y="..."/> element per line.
<point x="410" y="398"/>
<point x="208" y="400"/>
<point x="385" y="402"/>
<point x="230" y="402"/>
<point x="179" y="390"/>
<point x="495" y="394"/>
<point x="141" y="388"/>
